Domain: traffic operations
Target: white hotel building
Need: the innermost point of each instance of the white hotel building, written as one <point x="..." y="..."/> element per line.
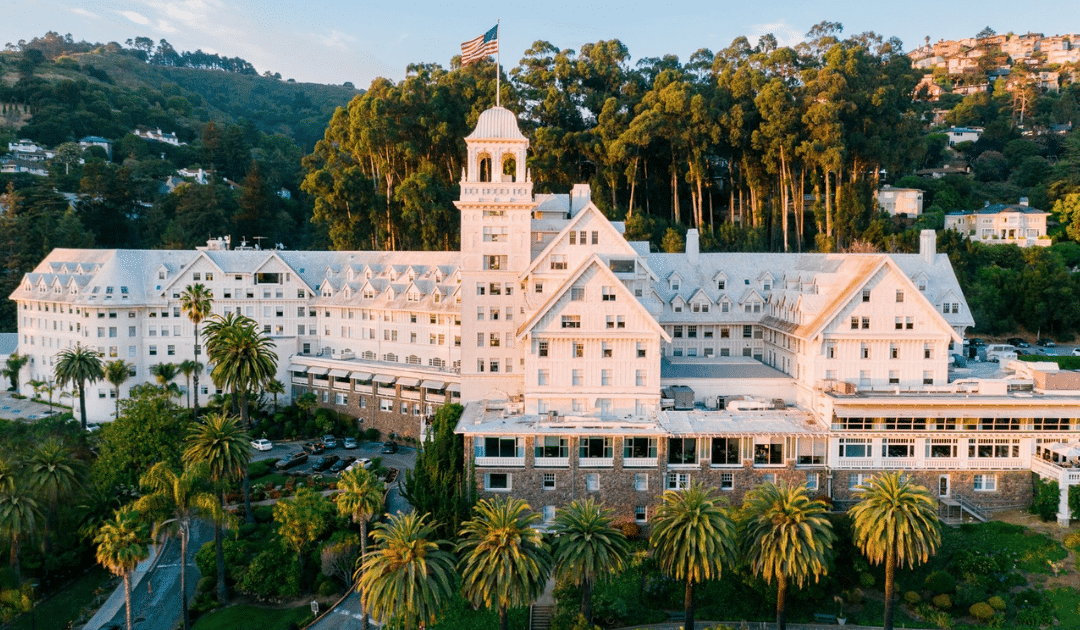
<point x="590" y="366"/>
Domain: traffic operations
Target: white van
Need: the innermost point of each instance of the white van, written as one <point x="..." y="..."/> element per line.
<point x="1000" y="353"/>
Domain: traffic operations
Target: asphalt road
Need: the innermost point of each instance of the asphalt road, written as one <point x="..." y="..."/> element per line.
<point x="404" y="459"/>
<point x="155" y="598"/>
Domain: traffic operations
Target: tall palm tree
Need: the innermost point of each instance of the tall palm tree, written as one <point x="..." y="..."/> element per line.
<point x="189" y="368"/>
<point x="225" y="447"/>
<point x="408" y="577"/>
<point x="275" y="387"/>
<point x="786" y="538"/>
<point x="587" y="547"/>
<point x="895" y="522"/>
<point x="504" y="560"/>
<point x="175" y="501"/>
<point x="123" y="543"/>
<point x="243" y="360"/>
<point x="19" y="518"/>
<point x="75" y="367"/>
<point x="12" y="367"/>
<point x="195" y="302"/>
<point x="55" y="476"/>
<point x="117" y="373"/>
<point x="361" y="497"/>
<point x="694" y="538"/>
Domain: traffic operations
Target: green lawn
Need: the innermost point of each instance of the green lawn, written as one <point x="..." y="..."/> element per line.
<point x="247" y="616"/>
<point x="1029" y="550"/>
<point x="1066" y="606"/>
<point x="64" y="607"/>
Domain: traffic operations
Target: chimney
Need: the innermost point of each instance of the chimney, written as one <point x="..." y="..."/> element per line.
<point x="580" y="196"/>
<point x="1023" y="201"/>
<point x="928" y="246"/>
<point x="692" y="246"/>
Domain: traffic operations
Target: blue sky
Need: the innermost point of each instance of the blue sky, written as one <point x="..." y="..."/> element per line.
<point x="332" y="42"/>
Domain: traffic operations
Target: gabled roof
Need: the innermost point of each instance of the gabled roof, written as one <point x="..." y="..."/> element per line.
<point x="589" y="208"/>
<point x="620" y="289"/>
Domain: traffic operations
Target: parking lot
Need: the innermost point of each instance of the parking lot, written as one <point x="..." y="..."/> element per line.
<point x="403" y="460"/>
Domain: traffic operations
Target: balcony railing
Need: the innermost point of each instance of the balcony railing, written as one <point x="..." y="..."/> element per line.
<point x="639" y="462"/>
<point x="596" y="462"/>
<point x="552" y="462"/>
<point x="500" y="462"/>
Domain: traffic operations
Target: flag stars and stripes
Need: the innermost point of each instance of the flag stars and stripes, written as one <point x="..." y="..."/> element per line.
<point x="481" y="47"/>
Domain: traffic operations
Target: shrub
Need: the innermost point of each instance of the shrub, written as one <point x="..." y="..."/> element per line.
<point x="942" y="601"/>
<point x="247" y="529"/>
<point x="371" y="435"/>
<point x="263" y="513"/>
<point x="866" y="580"/>
<point x="273" y="572"/>
<point x="261" y="468"/>
<point x="981" y="611"/>
<point x="940" y="582"/>
<point x="630" y="529"/>
<point x="912" y="598"/>
<point x="206" y="584"/>
<point x="939" y="618"/>
<point x="1072" y="541"/>
<point x="996" y="603"/>
<point x="1045" y="503"/>
<point x="327" y="588"/>
<point x="204" y="602"/>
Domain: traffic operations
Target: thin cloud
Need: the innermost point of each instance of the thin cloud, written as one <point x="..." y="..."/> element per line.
<point x="785" y="34"/>
<point x="336" y="39"/>
<point x="137" y="18"/>
<point x="83" y="12"/>
<point x="165" y="27"/>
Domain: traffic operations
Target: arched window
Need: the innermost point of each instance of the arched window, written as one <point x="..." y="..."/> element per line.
<point x="509" y="168"/>
<point x="483" y="163"/>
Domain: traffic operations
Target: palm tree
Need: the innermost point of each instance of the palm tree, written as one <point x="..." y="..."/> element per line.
<point x="176" y="501"/>
<point x="243" y="360"/>
<point x="12" y="367"/>
<point x="694" y="538"/>
<point x="75" y="367"/>
<point x="587" y="547"/>
<point x="189" y="368"/>
<point x="117" y="373"/>
<point x="895" y="522"/>
<point x="408" y="578"/>
<point x="19" y="517"/>
<point x="504" y="560"/>
<point x="786" y="537"/>
<point x="361" y="498"/>
<point x="275" y="387"/>
<point x="165" y="374"/>
<point x="225" y="447"/>
<point x="195" y="302"/>
<point x="54" y="475"/>
<point x="123" y="543"/>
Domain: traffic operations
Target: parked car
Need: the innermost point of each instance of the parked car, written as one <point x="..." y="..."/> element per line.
<point x="314" y="448"/>
<point x="389" y="448"/>
<point x="349" y="443"/>
<point x="290" y="462"/>
<point x="1018" y="342"/>
<point x="1076" y="351"/>
<point x="329" y="441"/>
<point x="1000" y="353"/>
<point x="1046" y="343"/>
<point x="342" y="463"/>
<point x="324" y="462"/>
<point x="977" y="341"/>
<point x="363" y="462"/>
<point x="262" y="444"/>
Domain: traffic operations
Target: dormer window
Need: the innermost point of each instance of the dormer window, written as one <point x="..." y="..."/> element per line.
<point x="161" y="274"/>
<point x="721" y="284"/>
<point x="767" y="287"/>
<point x="674" y="285"/>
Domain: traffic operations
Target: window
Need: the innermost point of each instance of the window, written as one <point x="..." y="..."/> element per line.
<point x="549" y="481"/>
<point x="993" y="447"/>
<point x="727" y="481"/>
<point x="678" y="481"/>
<point x="641" y="353"/>
<point x="577" y="294"/>
<point x="747" y="332"/>
<point x="605" y="377"/>
<point x="856" y="480"/>
<point x="640" y="513"/>
<point x="496" y="482"/>
<point x="854" y="323"/>
<point x="725" y="452"/>
<point x="596" y="448"/>
<point x="153" y="350"/>
<point x="691" y="332"/>
<point x="677" y="332"/>
<point x="641" y="482"/>
<point x="682" y="450"/>
<point x="608" y="294"/>
<point x="897" y="447"/>
<point x="639" y="447"/>
<point x="605" y="350"/>
<point x="898" y="323"/>
<point x="899" y="295"/>
<point x="811" y="452"/>
<point x="542" y="377"/>
<point x="985" y="483"/>
<point x="639" y="378"/>
<point x="499" y="447"/>
<point x="579" y="350"/>
<point x="592" y="482"/>
<point x="571" y="321"/>
<point x="558" y="262"/>
<point x="941" y="447"/>
<point x="894" y="377"/>
<point x="854" y="447"/>
<point x="542" y="348"/>
<point x="769" y="451"/>
<point x="866" y="295"/>
<point x="495" y="262"/>
<point x="894" y="352"/>
<point x="493" y="339"/>
<point x="864" y="351"/>
<point x="551" y="446"/>
<point x="866" y="323"/>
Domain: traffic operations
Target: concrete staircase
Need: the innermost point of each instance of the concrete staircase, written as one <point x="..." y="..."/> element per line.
<point x="540" y="617"/>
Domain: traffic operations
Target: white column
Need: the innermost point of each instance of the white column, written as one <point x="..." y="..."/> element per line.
<point x="1063" y="505"/>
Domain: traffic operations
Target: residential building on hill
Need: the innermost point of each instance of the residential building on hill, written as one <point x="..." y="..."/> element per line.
<point x="998" y="224"/>
<point x="907" y="201"/>
<point x="589" y="366"/>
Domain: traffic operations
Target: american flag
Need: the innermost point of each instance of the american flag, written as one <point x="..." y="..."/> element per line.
<point x="481" y="47"/>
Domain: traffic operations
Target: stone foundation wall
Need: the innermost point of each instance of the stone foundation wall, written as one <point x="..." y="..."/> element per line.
<point x="1013" y="486"/>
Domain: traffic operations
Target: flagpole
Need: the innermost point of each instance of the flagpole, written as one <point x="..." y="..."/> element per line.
<point x="498" y="64"/>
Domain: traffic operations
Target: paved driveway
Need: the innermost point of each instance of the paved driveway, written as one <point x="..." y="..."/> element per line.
<point x="12" y="408"/>
<point x="404" y="459"/>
